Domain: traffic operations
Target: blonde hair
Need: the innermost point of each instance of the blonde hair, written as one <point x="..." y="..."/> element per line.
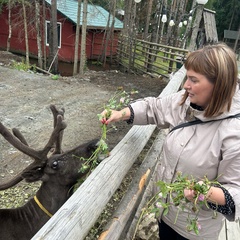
<point x="219" y="65"/>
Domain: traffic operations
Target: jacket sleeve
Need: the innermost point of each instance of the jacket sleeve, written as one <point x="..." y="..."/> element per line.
<point x="229" y="167"/>
<point x="234" y="192"/>
<point x="163" y="112"/>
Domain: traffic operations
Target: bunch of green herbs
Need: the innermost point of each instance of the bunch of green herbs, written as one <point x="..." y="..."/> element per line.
<point x="119" y="100"/>
<point x="173" y="194"/>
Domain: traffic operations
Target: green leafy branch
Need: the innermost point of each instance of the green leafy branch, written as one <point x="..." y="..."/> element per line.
<point x="119" y="100"/>
<point x="173" y="194"/>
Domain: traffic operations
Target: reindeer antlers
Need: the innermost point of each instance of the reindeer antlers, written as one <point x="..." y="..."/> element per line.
<point x="55" y="113"/>
<point x="40" y="156"/>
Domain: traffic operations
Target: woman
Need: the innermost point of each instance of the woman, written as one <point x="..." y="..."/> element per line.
<point x="211" y="92"/>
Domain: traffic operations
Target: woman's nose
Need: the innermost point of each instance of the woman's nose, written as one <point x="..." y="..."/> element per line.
<point x="186" y="84"/>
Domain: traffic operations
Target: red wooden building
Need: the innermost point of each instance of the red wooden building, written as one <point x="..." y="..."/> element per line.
<point x="97" y="19"/>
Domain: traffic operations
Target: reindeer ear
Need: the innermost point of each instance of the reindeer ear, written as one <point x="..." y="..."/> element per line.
<point x="32" y="175"/>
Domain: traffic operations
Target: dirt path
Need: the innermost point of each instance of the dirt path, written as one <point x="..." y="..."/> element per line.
<point x="25" y="99"/>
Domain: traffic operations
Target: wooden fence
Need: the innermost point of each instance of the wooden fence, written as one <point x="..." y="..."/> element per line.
<point x="144" y="57"/>
<point x="77" y="216"/>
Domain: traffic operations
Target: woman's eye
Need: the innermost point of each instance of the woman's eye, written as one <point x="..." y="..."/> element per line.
<point x="55" y="165"/>
<point x="194" y="80"/>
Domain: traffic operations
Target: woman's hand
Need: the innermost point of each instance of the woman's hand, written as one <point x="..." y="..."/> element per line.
<point x="189" y="194"/>
<point x="214" y="195"/>
<point x="109" y="116"/>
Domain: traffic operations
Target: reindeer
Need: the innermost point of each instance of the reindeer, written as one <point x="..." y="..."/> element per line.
<point x="58" y="172"/>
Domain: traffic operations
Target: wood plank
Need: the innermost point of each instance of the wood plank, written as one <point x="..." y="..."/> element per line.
<point x="230" y="231"/>
<point x="150" y="190"/>
<point x="230" y="34"/>
<point x="129" y="204"/>
<point x="76" y="217"/>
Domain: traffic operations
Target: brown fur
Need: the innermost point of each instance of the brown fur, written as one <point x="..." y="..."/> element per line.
<point x="58" y="174"/>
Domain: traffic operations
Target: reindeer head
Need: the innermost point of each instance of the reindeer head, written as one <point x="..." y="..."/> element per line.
<point x="58" y="167"/>
<point x="67" y="165"/>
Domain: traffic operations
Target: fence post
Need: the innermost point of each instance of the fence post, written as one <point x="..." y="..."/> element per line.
<point x="196" y="27"/>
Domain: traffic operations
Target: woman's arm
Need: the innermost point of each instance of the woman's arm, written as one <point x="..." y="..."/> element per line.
<point x="215" y="195"/>
<point x="116" y="116"/>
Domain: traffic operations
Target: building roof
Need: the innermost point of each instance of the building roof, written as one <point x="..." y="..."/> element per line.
<point x="97" y="17"/>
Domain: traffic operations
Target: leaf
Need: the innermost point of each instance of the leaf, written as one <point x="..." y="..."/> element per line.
<point x="165" y="212"/>
<point x="55" y="77"/>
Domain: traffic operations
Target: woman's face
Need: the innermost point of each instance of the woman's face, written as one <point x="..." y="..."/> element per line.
<point x="199" y="88"/>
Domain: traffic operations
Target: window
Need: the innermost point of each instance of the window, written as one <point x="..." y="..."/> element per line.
<point x="59" y="33"/>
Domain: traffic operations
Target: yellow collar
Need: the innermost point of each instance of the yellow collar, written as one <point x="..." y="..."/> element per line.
<point x="42" y="207"/>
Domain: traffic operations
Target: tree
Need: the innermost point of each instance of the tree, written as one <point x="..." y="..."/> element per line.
<point x="188" y="29"/>
<point x="25" y="31"/>
<point x="83" y="40"/>
<point x="109" y="32"/>
<point x="236" y="41"/>
<point x="39" y="39"/>
<point x="149" y="12"/>
<point x="53" y="39"/>
<point x="44" y="34"/>
<point x="227" y="15"/>
<point x="77" y="38"/>
<point x="9" y="25"/>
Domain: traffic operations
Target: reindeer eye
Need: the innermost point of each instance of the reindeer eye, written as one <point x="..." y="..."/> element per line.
<point x="55" y="165"/>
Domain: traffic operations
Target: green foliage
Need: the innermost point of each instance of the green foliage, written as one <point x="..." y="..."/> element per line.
<point x="97" y="63"/>
<point x="174" y="192"/>
<point x="119" y="100"/>
<point x="2" y="2"/>
<point x="21" y="66"/>
<point x="227" y="15"/>
<point x="55" y="77"/>
<point x="209" y="4"/>
<point x="160" y="64"/>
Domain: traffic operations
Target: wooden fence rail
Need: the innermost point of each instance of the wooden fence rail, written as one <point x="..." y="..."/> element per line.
<point x="149" y="58"/>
